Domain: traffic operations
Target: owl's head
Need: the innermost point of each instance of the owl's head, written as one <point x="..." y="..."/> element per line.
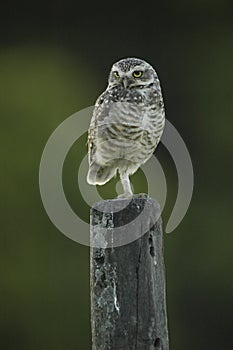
<point x="132" y="73"/>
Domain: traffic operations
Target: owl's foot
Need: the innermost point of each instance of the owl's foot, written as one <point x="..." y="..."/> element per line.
<point x="141" y="195"/>
<point x="131" y="195"/>
<point x="125" y="195"/>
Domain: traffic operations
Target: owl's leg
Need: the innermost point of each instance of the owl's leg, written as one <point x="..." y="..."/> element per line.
<point x="126" y="186"/>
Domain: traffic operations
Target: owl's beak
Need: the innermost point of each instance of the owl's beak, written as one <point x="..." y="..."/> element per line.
<point x="125" y="82"/>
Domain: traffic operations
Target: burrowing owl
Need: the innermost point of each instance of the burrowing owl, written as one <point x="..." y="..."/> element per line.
<point x="127" y="123"/>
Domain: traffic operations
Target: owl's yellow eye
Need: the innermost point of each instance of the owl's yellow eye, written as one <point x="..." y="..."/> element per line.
<point x="116" y="74"/>
<point x="137" y="73"/>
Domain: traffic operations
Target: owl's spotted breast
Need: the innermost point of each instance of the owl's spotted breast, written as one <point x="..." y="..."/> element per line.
<point x="127" y="129"/>
<point x="119" y="94"/>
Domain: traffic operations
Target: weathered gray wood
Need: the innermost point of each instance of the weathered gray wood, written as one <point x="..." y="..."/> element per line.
<point x="128" y="306"/>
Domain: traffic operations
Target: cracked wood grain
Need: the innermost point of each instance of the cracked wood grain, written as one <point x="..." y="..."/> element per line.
<point x="128" y="305"/>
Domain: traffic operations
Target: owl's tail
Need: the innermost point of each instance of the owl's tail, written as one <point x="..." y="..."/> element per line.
<point x="99" y="175"/>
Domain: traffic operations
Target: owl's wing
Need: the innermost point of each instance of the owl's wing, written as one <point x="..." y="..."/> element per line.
<point x="97" y="116"/>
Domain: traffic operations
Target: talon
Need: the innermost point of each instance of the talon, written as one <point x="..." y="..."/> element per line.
<point x="141" y="195"/>
<point x="125" y="196"/>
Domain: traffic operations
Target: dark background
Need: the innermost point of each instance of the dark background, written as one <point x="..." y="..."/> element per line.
<point x="54" y="60"/>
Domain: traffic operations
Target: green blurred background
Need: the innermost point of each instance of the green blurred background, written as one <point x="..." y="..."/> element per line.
<point x="55" y="57"/>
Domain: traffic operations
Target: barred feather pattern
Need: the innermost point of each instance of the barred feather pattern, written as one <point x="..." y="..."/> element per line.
<point x="126" y="127"/>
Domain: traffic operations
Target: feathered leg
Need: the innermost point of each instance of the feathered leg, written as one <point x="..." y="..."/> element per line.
<point x="126" y="186"/>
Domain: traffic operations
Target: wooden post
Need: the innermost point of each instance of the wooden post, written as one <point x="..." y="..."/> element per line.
<point x="128" y="306"/>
